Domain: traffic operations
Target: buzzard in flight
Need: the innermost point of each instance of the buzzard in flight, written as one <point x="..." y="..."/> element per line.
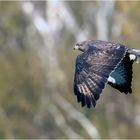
<point x="102" y="62"/>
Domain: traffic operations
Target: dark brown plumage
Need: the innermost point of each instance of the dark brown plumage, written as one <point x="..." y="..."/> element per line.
<point x="101" y="62"/>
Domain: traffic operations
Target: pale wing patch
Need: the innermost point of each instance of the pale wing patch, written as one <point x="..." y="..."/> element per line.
<point x="80" y="87"/>
<point x="111" y="79"/>
<point x="84" y="89"/>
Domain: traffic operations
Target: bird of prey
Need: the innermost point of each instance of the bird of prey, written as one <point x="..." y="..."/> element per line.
<point x="102" y="62"/>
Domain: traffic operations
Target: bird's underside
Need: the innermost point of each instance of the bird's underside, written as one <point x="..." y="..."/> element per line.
<point x="99" y="65"/>
<point x="123" y="75"/>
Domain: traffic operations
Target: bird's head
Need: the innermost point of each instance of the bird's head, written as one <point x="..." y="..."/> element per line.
<point x="82" y="46"/>
<point x="94" y="44"/>
<point x="85" y="45"/>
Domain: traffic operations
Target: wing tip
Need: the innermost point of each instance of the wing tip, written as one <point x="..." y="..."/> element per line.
<point x="128" y="91"/>
<point x="86" y="99"/>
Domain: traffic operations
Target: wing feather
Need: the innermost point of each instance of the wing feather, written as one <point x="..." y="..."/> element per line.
<point x="93" y="68"/>
<point x="123" y="75"/>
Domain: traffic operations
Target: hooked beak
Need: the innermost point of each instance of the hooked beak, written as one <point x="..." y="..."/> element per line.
<point x="76" y="47"/>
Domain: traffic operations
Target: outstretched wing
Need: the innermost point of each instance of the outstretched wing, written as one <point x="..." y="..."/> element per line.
<point x="93" y="68"/>
<point x="123" y="75"/>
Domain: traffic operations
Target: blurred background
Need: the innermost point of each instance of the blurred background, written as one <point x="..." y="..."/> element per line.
<point x="37" y="63"/>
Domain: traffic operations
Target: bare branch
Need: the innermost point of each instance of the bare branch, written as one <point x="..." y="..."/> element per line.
<point x="61" y="122"/>
<point x="76" y="115"/>
<point x="49" y="28"/>
<point x="103" y="19"/>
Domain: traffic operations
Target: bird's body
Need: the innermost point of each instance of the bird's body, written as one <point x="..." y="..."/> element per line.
<point x="102" y="62"/>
